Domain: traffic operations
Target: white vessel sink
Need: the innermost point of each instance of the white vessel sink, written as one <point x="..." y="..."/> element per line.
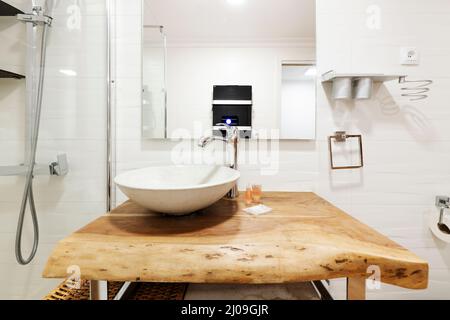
<point x="177" y="190"/>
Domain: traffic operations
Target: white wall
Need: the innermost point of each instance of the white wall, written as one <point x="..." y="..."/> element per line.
<point x="406" y="144"/>
<point x="73" y="121"/>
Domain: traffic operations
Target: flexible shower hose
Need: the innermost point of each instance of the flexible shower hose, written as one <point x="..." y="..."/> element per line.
<point x="28" y="195"/>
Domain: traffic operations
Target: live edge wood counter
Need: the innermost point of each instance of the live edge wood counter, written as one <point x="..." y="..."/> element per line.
<point x="305" y="238"/>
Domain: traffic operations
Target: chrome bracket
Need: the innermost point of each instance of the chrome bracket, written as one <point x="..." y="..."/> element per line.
<point x="443" y="202"/>
<point x="36" y="17"/>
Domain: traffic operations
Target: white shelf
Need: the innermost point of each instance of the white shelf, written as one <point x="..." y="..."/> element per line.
<point x="11" y="8"/>
<point x="13" y="72"/>
<point x="376" y="77"/>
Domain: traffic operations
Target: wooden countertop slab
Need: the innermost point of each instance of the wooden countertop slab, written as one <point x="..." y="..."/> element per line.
<point x="305" y="238"/>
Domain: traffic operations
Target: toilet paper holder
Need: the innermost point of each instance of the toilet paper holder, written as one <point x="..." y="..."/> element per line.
<point x="443" y="203"/>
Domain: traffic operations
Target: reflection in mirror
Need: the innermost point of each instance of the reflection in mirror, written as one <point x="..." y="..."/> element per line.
<point x="154" y="93"/>
<point x="234" y="46"/>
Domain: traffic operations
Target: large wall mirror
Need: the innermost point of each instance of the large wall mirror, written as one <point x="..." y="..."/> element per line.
<point x="247" y="63"/>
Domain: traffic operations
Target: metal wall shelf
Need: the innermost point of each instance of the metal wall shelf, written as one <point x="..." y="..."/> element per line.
<point x="7" y="9"/>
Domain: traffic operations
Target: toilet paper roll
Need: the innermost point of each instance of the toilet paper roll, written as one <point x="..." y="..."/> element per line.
<point x="433" y="219"/>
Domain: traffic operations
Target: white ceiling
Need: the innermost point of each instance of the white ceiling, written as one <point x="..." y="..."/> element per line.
<point x="220" y="20"/>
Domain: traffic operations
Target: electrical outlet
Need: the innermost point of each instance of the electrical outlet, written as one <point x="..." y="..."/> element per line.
<point x="409" y="56"/>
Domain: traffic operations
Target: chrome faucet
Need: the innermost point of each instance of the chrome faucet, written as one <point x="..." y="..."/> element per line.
<point x="231" y="137"/>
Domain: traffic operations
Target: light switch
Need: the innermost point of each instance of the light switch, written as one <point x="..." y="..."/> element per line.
<point x="409" y="56"/>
